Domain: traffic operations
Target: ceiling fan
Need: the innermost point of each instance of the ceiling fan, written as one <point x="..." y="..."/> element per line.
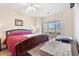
<point x="31" y="7"/>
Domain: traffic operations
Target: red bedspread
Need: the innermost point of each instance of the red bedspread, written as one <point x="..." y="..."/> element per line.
<point x="12" y="40"/>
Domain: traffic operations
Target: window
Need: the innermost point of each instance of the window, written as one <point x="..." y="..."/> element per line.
<point x="52" y="28"/>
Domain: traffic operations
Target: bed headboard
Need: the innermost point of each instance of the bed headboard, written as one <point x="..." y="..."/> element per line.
<point x="17" y="30"/>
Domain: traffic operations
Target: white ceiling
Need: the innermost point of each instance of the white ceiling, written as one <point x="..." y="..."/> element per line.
<point x="46" y="9"/>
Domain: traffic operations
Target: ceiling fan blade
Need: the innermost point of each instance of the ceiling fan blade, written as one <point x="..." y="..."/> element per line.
<point x="30" y="4"/>
<point x="25" y="4"/>
<point x="36" y="5"/>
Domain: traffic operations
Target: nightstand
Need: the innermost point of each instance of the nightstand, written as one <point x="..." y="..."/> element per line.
<point x="0" y="44"/>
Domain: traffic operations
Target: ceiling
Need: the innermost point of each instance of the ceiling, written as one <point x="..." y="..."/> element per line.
<point x="45" y="9"/>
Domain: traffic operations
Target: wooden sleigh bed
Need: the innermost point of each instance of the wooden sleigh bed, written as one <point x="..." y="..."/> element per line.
<point x="23" y="46"/>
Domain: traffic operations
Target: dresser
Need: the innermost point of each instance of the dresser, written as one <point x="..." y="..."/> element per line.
<point x="0" y="44"/>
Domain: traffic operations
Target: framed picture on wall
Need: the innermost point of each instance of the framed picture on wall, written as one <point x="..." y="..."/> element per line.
<point x="18" y="22"/>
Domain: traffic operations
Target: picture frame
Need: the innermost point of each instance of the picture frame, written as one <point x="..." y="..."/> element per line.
<point x="18" y="22"/>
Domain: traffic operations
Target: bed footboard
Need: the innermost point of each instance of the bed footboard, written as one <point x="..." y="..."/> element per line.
<point x="30" y="43"/>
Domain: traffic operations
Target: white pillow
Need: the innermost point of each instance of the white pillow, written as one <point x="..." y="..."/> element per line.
<point x="60" y="37"/>
<point x="63" y="36"/>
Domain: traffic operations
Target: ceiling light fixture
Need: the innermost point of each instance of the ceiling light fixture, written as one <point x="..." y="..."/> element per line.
<point x="31" y="7"/>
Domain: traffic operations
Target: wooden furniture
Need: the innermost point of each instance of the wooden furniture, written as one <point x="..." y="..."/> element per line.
<point x="0" y="44"/>
<point x="22" y="47"/>
<point x="77" y="47"/>
<point x="15" y="30"/>
<point x="74" y="50"/>
<point x="30" y="43"/>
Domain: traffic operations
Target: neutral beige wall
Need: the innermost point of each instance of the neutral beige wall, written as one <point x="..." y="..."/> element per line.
<point x="7" y="20"/>
<point x="68" y="21"/>
<point x="66" y="16"/>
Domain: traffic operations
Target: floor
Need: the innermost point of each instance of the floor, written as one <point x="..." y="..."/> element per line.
<point x="4" y="53"/>
<point x="34" y="52"/>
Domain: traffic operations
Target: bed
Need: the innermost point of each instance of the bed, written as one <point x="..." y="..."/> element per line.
<point x="19" y="41"/>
